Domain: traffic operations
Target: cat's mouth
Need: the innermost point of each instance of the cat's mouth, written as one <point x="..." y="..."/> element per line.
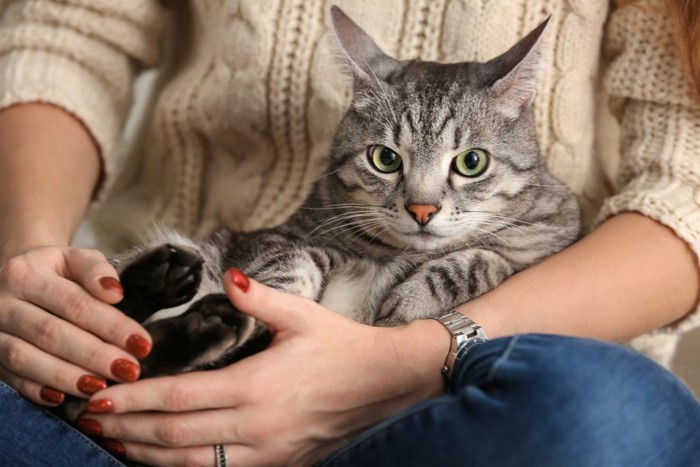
<point x="422" y="232"/>
<point x="423" y="238"/>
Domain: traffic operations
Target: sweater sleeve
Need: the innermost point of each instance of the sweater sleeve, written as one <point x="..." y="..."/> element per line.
<point x="82" y="56"/>
<point x="659" y="172"/>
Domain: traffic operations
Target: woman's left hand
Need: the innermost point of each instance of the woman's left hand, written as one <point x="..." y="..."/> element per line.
<point x="323" y="379"/>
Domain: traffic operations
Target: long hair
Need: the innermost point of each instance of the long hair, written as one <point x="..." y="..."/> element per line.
<point x="685" y="20"/>
<point x="685" y="15"/>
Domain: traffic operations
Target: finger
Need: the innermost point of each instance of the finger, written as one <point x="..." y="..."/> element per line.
<point x="67" y="342"/>
<point x="35" y="392"/>
<point x="182" y="393"/>
<point x="167" y="429"/>
<point x="200" y="455"/>
<point x="26" y="362"/>
<point x="92" y="271"/>
<point x="71" y="302"/>
<point x="279" y="310"/>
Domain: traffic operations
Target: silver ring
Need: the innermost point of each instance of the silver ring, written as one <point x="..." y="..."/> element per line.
<point x="221" y="457"/>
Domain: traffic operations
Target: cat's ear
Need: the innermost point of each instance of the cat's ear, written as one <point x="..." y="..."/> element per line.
<point x="514" y="76"/>
<point x="366" y="59"/>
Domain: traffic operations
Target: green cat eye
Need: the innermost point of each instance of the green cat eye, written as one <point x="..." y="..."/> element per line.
<point x="471" y="163"/>
<point x="383" y="159"/>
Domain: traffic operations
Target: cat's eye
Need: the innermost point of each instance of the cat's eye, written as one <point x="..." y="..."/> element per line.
<point x="471" y="163"/>
<point x="383" y="159"/>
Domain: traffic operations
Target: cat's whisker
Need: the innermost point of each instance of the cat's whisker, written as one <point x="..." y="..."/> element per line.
<point x="350" y="214"/>
<point x="490" y="218"/>
<point x="382" y="230"/>
<point x="521" y="221"/>
<point x="346" y="205"/>
<point x="330" y="227"/>
<point x="562" y="186"/>
<point x="383" y="94"/>
<point x="351" y="221"/>
<point x="326" y="174"/>
<point x="358" y="228"/>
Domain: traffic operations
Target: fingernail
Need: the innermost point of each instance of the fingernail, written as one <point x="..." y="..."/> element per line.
<point x="239" y="279"/>
<point x="125" y="370"/>
<point x="88" y="384"/>
<point x="138" y="346"/>
<point x="89" y="426"/>
<point x="111" y="284"/>
<point x="51" y="395"/>
<point x="113" y="447"/>
<point x="100" y="406"/>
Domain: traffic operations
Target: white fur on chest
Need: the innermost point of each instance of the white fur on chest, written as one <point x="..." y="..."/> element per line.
<point x="358" y="290"/>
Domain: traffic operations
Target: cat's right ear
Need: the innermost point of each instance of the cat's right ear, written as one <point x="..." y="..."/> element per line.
<point x="368" y="62"/>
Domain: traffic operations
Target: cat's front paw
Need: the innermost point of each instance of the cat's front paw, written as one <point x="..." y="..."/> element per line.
<point x="163" y="277"/>
<point x="408" y="302"/>
<point x="390" y="312"/>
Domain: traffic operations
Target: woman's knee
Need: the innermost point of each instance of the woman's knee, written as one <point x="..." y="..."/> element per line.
<point x="572" y="395"/>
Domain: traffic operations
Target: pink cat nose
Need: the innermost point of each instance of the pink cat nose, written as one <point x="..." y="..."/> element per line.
<point x="422" y="213"/>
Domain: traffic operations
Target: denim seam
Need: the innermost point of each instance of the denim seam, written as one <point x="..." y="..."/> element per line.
<point x="502" y="359"/>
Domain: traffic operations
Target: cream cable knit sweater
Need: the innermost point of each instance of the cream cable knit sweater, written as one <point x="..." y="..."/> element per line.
<point x="249" y="94"/>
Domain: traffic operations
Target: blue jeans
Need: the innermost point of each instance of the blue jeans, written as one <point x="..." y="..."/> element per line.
<point x="526" y="400"/>
<point x="542" y="400"/>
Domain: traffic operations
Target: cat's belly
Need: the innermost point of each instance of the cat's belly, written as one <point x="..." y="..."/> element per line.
<point x="358" y="290"/>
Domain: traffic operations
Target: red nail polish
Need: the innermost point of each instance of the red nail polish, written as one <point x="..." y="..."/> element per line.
<point x="125" y="370"/>
<point x="51" y="395"/>
<point x="138" y="346"/>
<point x="89" y="384"/>
<point x="239" y="279"/>
<point x="89" y="426"/>
<point x="111" y="284"/>
<point x="113" y="447"/>
<point x="100" y="406"/>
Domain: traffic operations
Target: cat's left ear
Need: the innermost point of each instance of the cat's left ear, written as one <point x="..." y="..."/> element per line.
<point x="367" y="60"/>
<point x="513" y="76"/>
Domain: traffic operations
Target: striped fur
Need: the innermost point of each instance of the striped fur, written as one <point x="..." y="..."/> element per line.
<point x="355" y="248"/>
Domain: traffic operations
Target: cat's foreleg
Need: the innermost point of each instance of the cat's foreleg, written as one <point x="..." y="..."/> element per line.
<point x="439" y="285"/>
<point x="167" y="273"/>
<point x="294" y="268"/>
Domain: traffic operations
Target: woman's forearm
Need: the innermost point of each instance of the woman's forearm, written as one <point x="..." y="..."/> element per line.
<point x="628" y="277"/>
<point x="49" y="167"/>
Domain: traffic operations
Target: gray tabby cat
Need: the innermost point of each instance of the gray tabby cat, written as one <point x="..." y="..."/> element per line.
<point x="435" y="193"/>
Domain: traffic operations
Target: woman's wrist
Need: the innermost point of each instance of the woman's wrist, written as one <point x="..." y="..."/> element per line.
<point x="421" y="347"/>
<point x="17" y="238"/>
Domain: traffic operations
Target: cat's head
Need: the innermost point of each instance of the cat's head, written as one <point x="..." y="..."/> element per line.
<point x="432" y="154"/>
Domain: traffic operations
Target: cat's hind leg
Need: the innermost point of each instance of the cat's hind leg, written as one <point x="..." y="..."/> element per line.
<point x="211" y="333"/>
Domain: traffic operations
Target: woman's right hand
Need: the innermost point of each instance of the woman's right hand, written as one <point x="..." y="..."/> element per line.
<point x="58" y="331"/>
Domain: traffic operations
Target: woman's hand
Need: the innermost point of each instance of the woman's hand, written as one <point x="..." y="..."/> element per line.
<point x="323" y="379"/>
<point x="58" y="333"/>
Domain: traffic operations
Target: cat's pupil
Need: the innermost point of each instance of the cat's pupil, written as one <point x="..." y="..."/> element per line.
<point x="471" y="160"/>
<point x="387" y="157"/>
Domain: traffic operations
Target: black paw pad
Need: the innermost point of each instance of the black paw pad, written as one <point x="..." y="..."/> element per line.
<point x="164" y="277"/>
<point x="201" y="337"/>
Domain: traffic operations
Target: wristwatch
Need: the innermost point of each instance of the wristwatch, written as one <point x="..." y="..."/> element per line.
<point x="465" y="335"/>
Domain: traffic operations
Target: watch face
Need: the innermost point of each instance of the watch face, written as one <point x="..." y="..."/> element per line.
<point x="465" y="347"/>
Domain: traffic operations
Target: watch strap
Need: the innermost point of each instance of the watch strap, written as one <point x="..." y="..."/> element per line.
<point x="465" y="334"/>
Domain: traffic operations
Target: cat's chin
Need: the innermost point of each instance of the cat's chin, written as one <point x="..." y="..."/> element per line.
<point x="422" y="240"/>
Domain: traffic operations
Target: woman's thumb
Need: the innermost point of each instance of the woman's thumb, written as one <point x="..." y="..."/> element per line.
<point x="279" y="310"/>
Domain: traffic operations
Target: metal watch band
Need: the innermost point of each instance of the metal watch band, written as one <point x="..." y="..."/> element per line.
<point x="465" y="334"/>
